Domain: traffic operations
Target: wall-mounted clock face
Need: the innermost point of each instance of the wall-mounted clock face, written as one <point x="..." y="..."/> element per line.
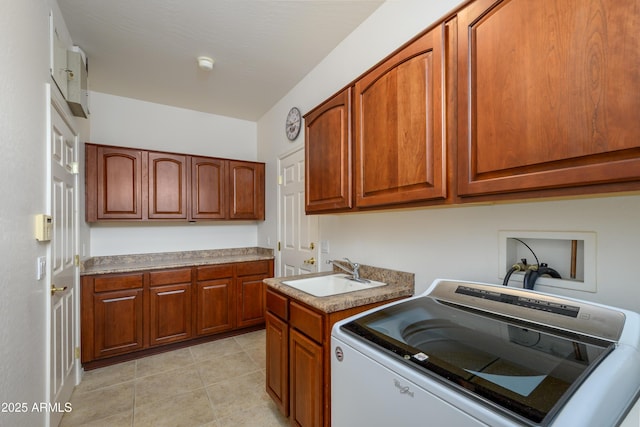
<point x="293" y="123"/>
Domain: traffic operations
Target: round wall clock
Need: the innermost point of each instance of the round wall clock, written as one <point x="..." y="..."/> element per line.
<point x="293" y="123"/>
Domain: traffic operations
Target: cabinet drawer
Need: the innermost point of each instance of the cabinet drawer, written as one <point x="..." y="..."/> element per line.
<point x="215" y="272"/>
<point x="277" y="304"/>
<point x="306" y="321"/>
<point x="170" y="277"/>
<point x="251" y="268"/>
<point x="115" y="283"/>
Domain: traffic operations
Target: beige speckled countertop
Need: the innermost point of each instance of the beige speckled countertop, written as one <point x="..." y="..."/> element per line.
<point x="156" y="261"/>
<point x="399" y="285"/>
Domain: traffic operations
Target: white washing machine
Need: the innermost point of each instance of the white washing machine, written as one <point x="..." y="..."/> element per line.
<point x="471" y="354"/>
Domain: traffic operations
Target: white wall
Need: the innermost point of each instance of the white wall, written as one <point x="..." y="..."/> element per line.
<point x="132" y="123"/>
<point x="24" y="54"/>
<point x="454" y="242"/>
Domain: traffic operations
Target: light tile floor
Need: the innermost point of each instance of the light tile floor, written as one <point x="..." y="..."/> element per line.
<point x="216" y="384"/>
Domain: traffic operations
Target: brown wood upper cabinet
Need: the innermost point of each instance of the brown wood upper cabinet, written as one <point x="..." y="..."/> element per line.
<point x="500" y="100"/>
<point x="131" y="184"/>
<point x="399" y="144"/>
<point x="167" y="186"/>
<point x="208" y="188"/>
<point x="114" y="183"/>
<point x="548" y="96"/>
<point x="246" y="184"/>
<point x="328" y="172"/>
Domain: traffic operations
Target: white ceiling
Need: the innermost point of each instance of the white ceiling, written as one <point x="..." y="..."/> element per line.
<point x="147" y="49"/>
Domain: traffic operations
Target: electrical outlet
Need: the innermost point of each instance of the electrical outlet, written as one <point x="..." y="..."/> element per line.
<point x="571" y="254"/>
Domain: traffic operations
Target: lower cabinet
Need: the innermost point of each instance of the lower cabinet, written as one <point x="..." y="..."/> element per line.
<point x="250" y="293"/>
<point x="133" y="312"/>
<point x="118" y="322"/>
<point x="305" y="380"/>
<point x="298" y="346"/>
<point x="170" y="306"/>
<point x="277" y="343"/>
<point x="115" y="324"/>
<point x="215" y="305"/>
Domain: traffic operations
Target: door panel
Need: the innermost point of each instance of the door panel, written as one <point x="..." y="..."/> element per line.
<point x="277" y="366"/>
<point x="169" y="313"/>
<point x="118" y="325"/>
<point x="551" y="105"/>
<point x="208" y="188"/>
<point x="215" y="310"/>
<point x="305" y="380"/>
<point x="246" y="185"/>
<point x="328" y="155"/>
<point x="167" y="186"/>
<point x="250" y="300"/>
<point x="298" y="231"/>
<point x="62" y="249"/>
<point x="119" y="183"/>
<point x="399" y="138"/>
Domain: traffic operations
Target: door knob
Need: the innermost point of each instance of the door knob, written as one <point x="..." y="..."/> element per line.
<point x="54" y="289"/>
<point x="311" y="261"/>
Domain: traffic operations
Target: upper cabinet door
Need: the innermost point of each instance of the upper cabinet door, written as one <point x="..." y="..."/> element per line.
<point x="548" y="95"/>
<point x="116" y="182"/>
<point x="246" y="186"/>
<point x="208" y="188"/>
<point x="167" y="186"/>
<point x="328" y="175"/>
<point x="400" y="147"/>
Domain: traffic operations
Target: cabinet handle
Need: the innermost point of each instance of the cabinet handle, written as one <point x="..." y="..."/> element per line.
<point x="311" y="261"/>
<point x="54" y="289"/>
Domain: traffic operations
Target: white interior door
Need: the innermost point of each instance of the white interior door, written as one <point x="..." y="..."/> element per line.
<point x="63" y="272"/>
<point x="298" y="232"/>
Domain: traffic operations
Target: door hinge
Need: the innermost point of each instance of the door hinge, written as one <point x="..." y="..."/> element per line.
<point x="77" y="352"/>
<point x="279" y="179"/>
<point x="278" y="246"/>
<point x="74" y="168"/>
<point x="76" y="260"/>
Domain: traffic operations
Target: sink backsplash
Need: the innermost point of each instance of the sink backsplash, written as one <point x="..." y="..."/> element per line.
<point x="394" y="277"/>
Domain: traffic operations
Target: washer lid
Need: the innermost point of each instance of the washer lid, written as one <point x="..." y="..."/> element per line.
<point x="525" y="370"/>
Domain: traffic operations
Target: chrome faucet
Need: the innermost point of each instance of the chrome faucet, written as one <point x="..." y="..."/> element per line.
<point x="354" y="269"/>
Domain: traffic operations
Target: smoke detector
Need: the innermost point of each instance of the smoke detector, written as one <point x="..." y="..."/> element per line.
<point x="205" y="63"/>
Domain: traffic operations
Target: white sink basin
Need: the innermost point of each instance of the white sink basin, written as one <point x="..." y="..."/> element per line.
<point x="324" y="286"/>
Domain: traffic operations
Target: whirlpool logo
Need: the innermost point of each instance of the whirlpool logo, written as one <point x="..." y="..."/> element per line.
<point x="403" y="389"/>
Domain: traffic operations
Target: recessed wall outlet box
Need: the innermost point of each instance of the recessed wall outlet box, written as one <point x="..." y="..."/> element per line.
<point x="566" y="252"/>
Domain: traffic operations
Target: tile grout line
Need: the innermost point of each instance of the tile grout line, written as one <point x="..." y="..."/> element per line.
<point x="211" y="405"/>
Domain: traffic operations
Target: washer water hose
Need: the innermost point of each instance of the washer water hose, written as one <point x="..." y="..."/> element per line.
<point x="515" y="267"/>
<point x="533" y="273"/>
